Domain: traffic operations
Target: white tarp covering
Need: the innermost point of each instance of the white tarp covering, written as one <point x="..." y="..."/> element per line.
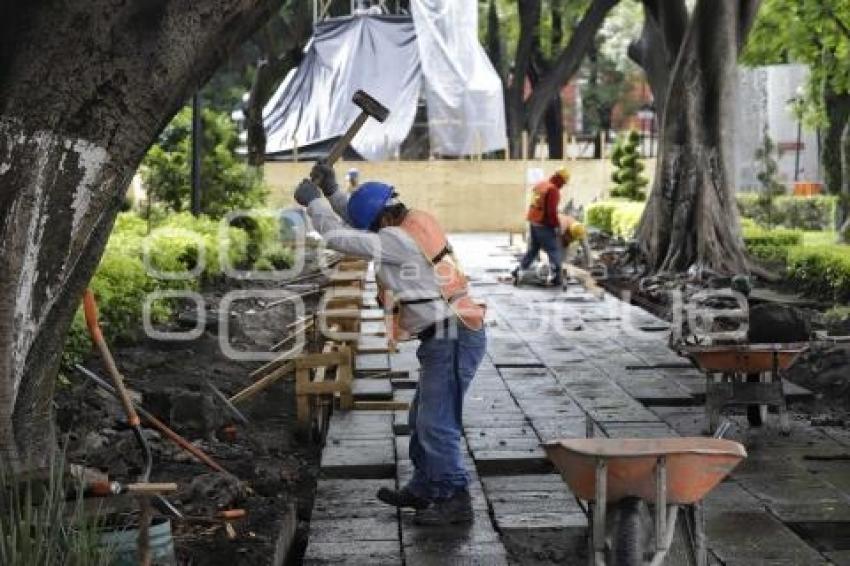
<point x="466" y="109"/>
<point x="391" y="57"/>
<point x="376" y="54"/>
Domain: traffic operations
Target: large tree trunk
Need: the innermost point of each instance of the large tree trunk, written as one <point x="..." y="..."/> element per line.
<point x="529" y="20"/>
<point x="837" y="107"/>
<point x="281" y="43"/>
<point x="655" y="51"/>
<point x="842" y="221"/>
<point x="86" y="89"/>
<point x="691" y="218"/>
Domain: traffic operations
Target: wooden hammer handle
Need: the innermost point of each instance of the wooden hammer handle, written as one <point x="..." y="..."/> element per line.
<point x="342" y="143"/>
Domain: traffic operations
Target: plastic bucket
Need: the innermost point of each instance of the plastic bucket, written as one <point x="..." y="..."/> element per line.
<point x="123" y="544"/>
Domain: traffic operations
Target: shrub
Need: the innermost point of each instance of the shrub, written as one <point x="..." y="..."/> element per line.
<point x="821" y="270"/>
<point x="771" y="245"/>
<point x="618" y="217"/>
<point x="123" y="279"/>
<point x="626" y="158"/>
<point x="227" y="183"/>
<point x="802" y="213"/>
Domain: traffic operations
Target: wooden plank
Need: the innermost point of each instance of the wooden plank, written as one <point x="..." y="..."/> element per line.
<point x="302" y="402"/>
<point x="318" y="360"/>
<point x="258" y="386"/>
<point x="381" y="405"/>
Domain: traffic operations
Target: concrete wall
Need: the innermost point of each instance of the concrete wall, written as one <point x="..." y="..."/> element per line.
<point x="466" y="196"/>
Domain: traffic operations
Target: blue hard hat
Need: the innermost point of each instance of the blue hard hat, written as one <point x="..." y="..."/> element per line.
<point x="367" y="202"/>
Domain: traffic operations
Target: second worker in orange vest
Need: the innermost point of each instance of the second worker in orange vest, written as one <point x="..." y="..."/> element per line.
<point x="544" y="226"/>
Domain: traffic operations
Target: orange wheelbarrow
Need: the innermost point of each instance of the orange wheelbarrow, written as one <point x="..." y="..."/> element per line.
<point x="745" y="374"/>
<point x="620" y="477"/>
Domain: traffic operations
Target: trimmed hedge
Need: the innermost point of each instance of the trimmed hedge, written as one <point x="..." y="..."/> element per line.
<point x="128" y="269"/>
<point x="821" y="270"/>
<point x="804" y="213"/>
<point x="615" y="216"/>
<point x="771" y="245"/>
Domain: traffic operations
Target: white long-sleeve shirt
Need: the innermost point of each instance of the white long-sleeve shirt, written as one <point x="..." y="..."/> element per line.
<point x="399" y="264"/>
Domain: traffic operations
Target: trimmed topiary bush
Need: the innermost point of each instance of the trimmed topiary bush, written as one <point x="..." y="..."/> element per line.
<point x="630" y="184"/>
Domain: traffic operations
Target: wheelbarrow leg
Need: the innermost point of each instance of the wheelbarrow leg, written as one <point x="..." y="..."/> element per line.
<point x="782" y="406"/>
<point x="698" y="520"/>
<point x="713" y="402"/>
<point x="599" y="509"/>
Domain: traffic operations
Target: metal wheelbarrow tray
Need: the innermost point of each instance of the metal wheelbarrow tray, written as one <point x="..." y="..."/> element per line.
<point x="745" y="374"/>
<point x="667" y="472"/>
<point x="694" y="466"/>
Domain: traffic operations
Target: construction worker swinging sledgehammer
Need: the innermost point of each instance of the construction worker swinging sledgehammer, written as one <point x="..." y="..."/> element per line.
<point x="421" y="284"/>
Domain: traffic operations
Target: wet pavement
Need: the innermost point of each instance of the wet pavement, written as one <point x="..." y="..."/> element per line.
<point x="554" y="358"/>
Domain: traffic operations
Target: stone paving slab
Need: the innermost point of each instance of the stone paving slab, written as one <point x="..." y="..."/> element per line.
<point x="372" y="389"/>
<point x="372" y="458"/>
<point x="340" y="499"/>
<point x="371" y="363"/>
<point x="356" y="553"/>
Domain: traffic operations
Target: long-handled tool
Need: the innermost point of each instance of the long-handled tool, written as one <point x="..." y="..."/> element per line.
<point x="369" y="107"/>
<point x="90" y="310"/>
<point x="157" y="424"/>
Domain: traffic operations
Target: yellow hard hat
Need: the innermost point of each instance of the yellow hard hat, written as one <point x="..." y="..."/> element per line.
<point x="578" y="231"/>
<point x="563" y="173"/>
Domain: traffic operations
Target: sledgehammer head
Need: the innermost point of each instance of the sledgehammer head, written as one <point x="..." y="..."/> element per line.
<point x="370" y="106"/>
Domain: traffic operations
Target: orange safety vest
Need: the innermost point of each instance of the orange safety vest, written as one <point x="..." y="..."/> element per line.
<point x="454" y="285"/>
<point x="537" y="207"/>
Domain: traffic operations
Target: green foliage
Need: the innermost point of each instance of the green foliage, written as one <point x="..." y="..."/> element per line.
<point x="180" y="253"/>
<point x="770" y="186"/>
<point x="802" y="213"/>
<point x="39" y="527"/>
<point x="814" y="32"/>
<point x="630" y="183"/>
<point x="770" y="245"/>
<point x="821" y="270"/>
<point x="227" y="184"/>
<point x="618" y="217"/>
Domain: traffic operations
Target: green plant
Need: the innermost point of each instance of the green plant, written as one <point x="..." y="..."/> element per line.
<point x="821" y="270"/>
<point x="772" y="245"/>
<point x="227" y="184"/>
<point x="630" y="183"/>
<point x="136" y="264"/>
<point x="39" y="527"/>
<point x="770" y="186"/>
<point x="618" y="217"/>
<point x="803" y="213"/>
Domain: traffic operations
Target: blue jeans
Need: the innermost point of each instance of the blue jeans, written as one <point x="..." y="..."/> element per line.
<point x="448" y="366"/>
<point x="546" y="238"/>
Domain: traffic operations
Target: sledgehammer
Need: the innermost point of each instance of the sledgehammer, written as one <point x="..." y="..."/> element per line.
<point x="369" y="107"/>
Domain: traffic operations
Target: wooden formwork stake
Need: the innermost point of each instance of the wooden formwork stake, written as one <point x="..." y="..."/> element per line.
<point x="263" y="383"/>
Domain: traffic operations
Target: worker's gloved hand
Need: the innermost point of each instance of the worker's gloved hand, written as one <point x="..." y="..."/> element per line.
<point x="323" y="175"/>
<point x="306" y="192"/>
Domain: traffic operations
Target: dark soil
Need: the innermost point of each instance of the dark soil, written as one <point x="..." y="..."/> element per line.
<point x="276" y="468"/>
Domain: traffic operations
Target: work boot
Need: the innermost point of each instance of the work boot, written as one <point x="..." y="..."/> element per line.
<point x="456" y="509"/>
<point x="402" y="498"/>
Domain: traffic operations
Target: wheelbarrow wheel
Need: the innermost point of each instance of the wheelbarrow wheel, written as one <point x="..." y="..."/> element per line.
<point x="628" y="533"/>
<point x="756" y="414"/>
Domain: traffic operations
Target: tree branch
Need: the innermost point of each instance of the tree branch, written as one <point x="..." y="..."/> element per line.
<point x="568" y="61"/>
